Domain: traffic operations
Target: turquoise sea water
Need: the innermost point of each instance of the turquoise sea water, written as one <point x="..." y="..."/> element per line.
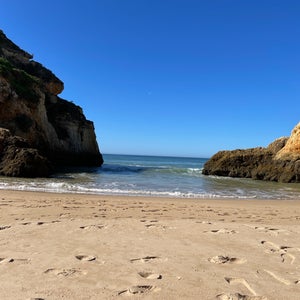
<point x="153" y="176"/>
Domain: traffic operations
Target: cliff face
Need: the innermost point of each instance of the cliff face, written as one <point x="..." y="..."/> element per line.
<point x="31" y="109"/>
<point x="292" y="148"/>
<point x="280" y="161"/>
<point x="19" y="159"/>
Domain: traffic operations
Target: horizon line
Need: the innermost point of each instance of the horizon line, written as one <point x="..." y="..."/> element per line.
<point x="155" y="155"/>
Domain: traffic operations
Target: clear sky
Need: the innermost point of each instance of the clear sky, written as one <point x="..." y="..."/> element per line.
<point x="170" y="77"/>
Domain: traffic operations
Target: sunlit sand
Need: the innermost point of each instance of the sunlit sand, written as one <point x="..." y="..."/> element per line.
<point x="71" y="246"/>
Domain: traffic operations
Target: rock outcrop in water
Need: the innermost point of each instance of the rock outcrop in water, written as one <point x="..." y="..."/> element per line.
<point x="280" y="161"/>
<point x="54" y="129"/>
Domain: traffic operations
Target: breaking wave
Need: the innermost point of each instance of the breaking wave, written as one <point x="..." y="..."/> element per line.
<point x="152" y="176"/>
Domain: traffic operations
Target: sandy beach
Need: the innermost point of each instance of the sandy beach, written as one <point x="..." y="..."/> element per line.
<point x="76" y="246"/>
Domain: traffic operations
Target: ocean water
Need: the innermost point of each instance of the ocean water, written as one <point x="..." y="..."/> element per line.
<point x="152" y="176"/>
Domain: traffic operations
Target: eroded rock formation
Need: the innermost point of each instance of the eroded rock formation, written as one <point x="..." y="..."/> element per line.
<point x="17" y="158"/>
<point x="31" y="109"/>
<point x="280" y="161"/>
<point x="292" y="148"/>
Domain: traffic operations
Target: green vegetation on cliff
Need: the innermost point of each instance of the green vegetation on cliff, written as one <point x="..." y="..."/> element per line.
<point x="21" y="82"/>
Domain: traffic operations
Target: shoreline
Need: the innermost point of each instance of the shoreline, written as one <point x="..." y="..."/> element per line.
<point x="150" y="196"/>
<point x="156" y="177"/>
<point x="83" y="246"/>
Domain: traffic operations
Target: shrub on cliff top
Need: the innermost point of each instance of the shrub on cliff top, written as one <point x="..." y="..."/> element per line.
<point x="23" y="83"/>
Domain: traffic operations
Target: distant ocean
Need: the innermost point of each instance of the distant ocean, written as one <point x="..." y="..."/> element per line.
<point x="152" y="176"/>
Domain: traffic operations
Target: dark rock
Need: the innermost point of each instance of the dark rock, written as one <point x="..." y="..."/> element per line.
<point x="237" y="163"/>
<point x="18" y="159"/>
<point x="31" y="109"/>
<point x="24" y="162"/>
<point x="22" y="60"/>
<point x="256" y="163"/>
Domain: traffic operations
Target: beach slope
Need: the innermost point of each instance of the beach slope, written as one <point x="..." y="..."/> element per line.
<point x="71" y="246"/>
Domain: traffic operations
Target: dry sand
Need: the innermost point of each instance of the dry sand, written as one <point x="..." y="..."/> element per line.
<point x="66" y="246"/>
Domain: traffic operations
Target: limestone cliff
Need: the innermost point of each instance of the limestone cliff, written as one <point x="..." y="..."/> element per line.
<point x="280" y="161"/>
<point x="292" y="148"/>
<point x="30" y="108"/>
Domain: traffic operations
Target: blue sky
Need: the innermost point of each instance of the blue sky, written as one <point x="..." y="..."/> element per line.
<point x="170" y="77"/>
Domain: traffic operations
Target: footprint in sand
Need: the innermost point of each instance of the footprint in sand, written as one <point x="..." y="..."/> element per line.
<point x="204" y="222"/>
<point x="39" y="223"/>
<point x="240" y="281"/>
<point x="92" y="227"/>
<point x="65" y="272"/>
<point x="150" y="225"/>
<point x="238" y="296"/>
<point x="4" y="227"/>
<point x="271" y="230"/>
<point x="85" y="257"/>
<point x="150" y="210"/>
<point x="222" y="231"/>
<point x="6" y="260"/>
<point x="282" y="251"/>
<point x="220" y="259"/>
<point x="278" y="278"/>
<point x="64" y="215"/>
<point x="149" y="275"/>
<point x="137" y="289"/>
<point x="144" y="259"/>
<point x="157" y="226"/>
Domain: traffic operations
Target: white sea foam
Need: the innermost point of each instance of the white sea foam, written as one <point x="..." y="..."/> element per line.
<point x="150" y="176"/>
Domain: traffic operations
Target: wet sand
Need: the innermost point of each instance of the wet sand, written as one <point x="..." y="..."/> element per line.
<point x="77" y="246"/>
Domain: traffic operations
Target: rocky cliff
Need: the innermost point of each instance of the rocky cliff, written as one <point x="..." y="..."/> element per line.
<point x="280" y="161"/>
<point x="31" y="109"/>
<point x="291" y="151"/>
